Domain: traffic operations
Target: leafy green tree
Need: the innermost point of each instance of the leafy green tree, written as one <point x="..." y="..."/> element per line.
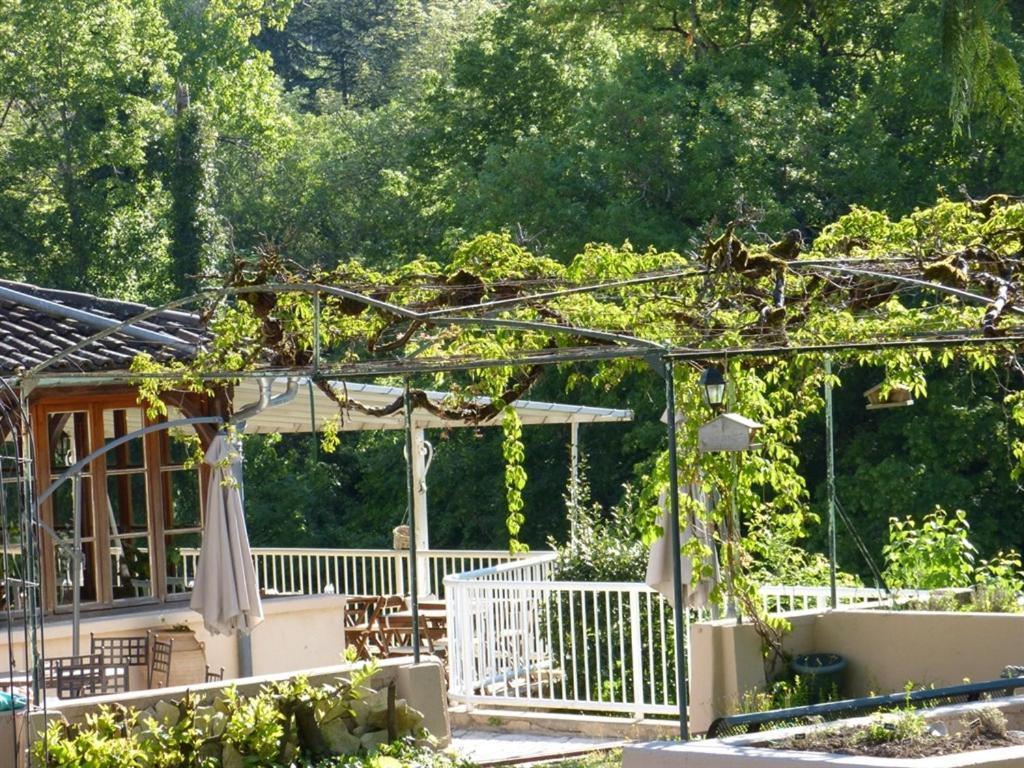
<point x="84" y="86"/>
<point x="196" y="235"/>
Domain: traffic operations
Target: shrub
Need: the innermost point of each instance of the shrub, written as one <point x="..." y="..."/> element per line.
<point x="936" y="555"/>
<point x="939" y="555"/>
<point x="284" y="724"/>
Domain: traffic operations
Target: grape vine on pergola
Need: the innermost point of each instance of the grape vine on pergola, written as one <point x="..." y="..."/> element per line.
<point x="940" y="284"/>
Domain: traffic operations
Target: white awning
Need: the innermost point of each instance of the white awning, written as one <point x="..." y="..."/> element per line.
<point x="296" y="415"/>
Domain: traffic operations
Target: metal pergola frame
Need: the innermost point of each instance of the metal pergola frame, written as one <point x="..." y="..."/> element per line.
<point x="615" y="346"/>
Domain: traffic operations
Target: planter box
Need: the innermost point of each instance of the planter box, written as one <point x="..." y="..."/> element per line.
<point x="750" y="751"/>
<point x="884" y="649"/>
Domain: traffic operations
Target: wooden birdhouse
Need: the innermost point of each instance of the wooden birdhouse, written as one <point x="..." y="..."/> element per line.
<point x="729" y="432"/>
<point x="898" y="396"/>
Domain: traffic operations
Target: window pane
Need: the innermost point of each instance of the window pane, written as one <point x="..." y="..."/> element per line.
<point x="64" y="500"/>
<point x="130" y="566"/>
<point x="69" y="438"/>
<point x="65" y="575"/>
<point x="183" y="489"/>
<point x="183" y="447"/>
<point x="126" y="498"/>
<point x="182" y="557"/>
<point x="117" y="423"/>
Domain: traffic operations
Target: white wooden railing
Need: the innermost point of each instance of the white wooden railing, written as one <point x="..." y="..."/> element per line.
<point x="515" y="637"/>
<point x="518" y="638"/>
<point x="297" y="571"/>
<point x="781" y="598"/>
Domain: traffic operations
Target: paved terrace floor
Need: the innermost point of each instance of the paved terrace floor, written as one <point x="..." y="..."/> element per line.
<point x="488" y="748"/>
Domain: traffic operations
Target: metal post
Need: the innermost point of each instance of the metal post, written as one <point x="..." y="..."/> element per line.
<point x="677" y="566"/>
<point x="30" y="539"/>
<point x="574" y="475"/>
<point x="76" y="568"/>
<point x="411" y="494"/>
<point x="830" y="479"/>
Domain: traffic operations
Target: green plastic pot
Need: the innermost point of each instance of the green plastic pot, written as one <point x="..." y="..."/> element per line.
<point x="821" y="675"/>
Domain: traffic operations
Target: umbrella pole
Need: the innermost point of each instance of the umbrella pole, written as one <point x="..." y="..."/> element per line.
<point x="677" y="566"/>
<point x="410" y="491"/>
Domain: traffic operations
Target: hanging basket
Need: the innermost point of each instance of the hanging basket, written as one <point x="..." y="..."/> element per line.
<point x="401" y="537"/>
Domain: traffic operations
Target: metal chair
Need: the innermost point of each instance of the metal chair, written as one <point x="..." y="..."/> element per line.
<point x="81" y="676"/>
<point x="160" y="661"/>
<point x="214" y="677"/>
<point x="121" y="652"/>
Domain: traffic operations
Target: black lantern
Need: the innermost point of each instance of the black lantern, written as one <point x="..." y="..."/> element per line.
<point x="713" y="383"/>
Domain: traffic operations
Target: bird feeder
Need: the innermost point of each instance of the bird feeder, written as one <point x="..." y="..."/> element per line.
<point x="729" y="432"/>
<point x="897" y="397"/>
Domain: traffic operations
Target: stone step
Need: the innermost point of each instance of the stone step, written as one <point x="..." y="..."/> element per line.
<point x="560" y="724"/>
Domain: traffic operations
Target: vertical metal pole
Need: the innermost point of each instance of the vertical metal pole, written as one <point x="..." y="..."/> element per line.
<point x="830" y="479"/>
<point x="677" y="567"/>
<point x="76" y="569"/>
<point x="411" y="493"/>
<point x="574" y="475"/>
<point x="316" y="333"/>
<point x="312" y="421"/>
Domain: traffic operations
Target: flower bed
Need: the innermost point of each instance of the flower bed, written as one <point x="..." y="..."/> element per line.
<point x="863" y="742"/>
<point x="286" y="723"/>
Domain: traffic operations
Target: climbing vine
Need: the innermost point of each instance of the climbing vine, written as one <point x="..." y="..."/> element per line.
<point x="514" y="453"/>
<point x="943" y="283"/>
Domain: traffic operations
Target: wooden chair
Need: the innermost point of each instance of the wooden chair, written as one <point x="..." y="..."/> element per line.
<point x="396" y="636"/>
<point x="432" y="604"/>
<point x="360" y="613"/>
<point x="160" y="661"/>
<point x="213" y="677"/>
<point x="386" y="605"/>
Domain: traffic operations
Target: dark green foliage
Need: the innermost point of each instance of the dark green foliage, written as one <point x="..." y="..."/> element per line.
<point x="196" y="240"/>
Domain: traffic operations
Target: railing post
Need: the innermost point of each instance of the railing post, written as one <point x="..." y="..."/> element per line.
<point x="399" y="564"/>
<point x="469" y="643"/>
<point x="636" y="646"/>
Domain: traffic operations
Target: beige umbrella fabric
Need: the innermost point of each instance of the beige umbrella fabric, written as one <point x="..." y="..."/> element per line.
<point x="225" y="590"/>
<point x="659" y="563"/>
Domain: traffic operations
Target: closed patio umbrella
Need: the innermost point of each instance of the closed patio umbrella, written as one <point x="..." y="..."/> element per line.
<point x="225" y="591"/>
<point x="659" y="563"/>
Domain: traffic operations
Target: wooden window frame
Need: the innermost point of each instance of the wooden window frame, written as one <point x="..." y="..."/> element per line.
<point x="155" y="448"/>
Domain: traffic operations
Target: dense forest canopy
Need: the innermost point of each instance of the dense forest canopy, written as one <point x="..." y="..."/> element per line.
<point x="148" y="143"/>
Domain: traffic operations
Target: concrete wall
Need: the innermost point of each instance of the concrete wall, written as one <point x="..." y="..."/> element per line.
<point x="884" y="649"/>
<point x="298" y="632"/>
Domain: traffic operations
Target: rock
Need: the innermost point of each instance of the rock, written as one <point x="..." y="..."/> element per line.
<point x="367" y="703"/>
<point x="331" y="710"/>
<point x="210" y="722"/>
<point x="407" y="719"/>
<point x="938" y="729"/>
<point x="167" y="713"/>
<point x="231" y="758"/>
<point x="338" y="738"/>
<point x="373" y="739"/>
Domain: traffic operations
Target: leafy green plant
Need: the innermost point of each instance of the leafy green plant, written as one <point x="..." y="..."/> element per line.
<point x="883" y="728"/>
<point x="283" y="724"/>
<point x="998" y="584"/>
<point x="936" y="554"/>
